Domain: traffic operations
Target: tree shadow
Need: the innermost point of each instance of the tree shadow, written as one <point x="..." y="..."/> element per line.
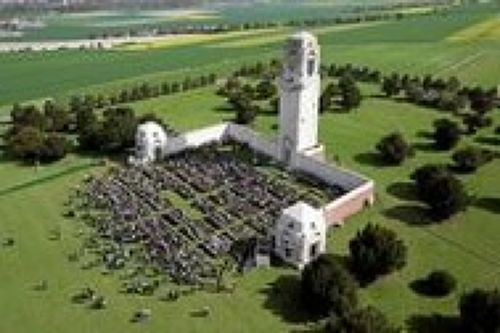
<point x="488" y="140"/>
<point x="413" y="215"/>
<point x="425" y="135"/>
<point x="490" y="204"/>
<point x="424" y="146"/>
<point x="403" y="190"/>
<point x="283" y="299"/>
<point x="371" y="159"/>
<point x="421" y="287"/>
<point x="224" y="109"/>
<point x="434" y="323"/>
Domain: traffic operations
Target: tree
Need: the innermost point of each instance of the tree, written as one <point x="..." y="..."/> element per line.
<point x="26" y="143"/>
<point x="392" y="85"/>
<point x="55" y="147"/>
<point x="376" y="251"/>
<point x="446" y="134"/>
<point x="474" y="121"/>
<point x="440" y="190"/>
<point x="90" y="138"/>
<point x="326" y="99"/>
<point x="351" y="97"/>
<point x="57" y="118"/>
<point x="394" y="149"/>
<point x="118" y="129"/>
<point x="366" y="320"/>
<point x="247" y="114"/>
<point x="326" y="286"/>
<point x="274" y="105"/>
<point x="469" y="158"/>
<point x="350" y="93"/>
<point x="481" y="101"/>
<point x="265" y="89"/>
<point x="85" y="118"/>
<point x="28" y="115"/>
<point x="479" y="311"/>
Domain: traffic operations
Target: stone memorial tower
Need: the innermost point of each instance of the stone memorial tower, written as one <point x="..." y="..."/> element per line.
<point x="299" y="97"/>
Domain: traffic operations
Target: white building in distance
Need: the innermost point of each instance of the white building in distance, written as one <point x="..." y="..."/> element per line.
<point x="300" y="234"/>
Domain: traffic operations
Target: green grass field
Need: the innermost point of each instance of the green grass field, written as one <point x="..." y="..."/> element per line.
<point x="31" y="201"/>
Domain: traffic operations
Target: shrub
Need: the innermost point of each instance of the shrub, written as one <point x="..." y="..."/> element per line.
<point x="376" y="251"/>
<point x="394" y="149"/>
<point x="468" y="159"/>
<point x="440" y="190"/>
<point x="446" y="134"/>
<point x="366" y="320"/>
<point x="326" y="286"/>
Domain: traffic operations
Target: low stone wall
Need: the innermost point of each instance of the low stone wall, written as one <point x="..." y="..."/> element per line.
<point x="195" y="139"/>
<point x="350" y="204"/>
<point x="254" y="140"/>
<point x="330" y="174"/>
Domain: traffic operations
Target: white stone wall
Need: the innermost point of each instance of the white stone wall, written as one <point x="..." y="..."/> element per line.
<point x="196" y="138"/>
<point x="330" y="174"/>
<point x="256" y="141"/>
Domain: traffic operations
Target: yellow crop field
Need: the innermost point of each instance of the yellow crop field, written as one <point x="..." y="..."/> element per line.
<point x="183" y="40"/>
<point x="486" y="30"/>
<point x="279" y="35"/>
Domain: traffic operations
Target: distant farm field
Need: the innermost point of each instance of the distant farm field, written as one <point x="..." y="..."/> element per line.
<point x="417" y="44"/>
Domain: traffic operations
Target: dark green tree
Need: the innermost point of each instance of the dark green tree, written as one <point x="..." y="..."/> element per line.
<point x="469" y="159"/>
<point x="479" y="311"/>
<point x="394" y="149"/>
<point x="265" y="89"/>
<point x="376" y="251"/>
<point x="365" y="320"/>
<point x="446" y="134"/>
<point x="327" y="287"/>
<point x="55" y="147"/>
<point x="440" y="190"/>
<point x="26" y="144"/>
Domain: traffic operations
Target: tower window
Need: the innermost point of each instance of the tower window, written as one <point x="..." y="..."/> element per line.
<point x="310" y="67"/>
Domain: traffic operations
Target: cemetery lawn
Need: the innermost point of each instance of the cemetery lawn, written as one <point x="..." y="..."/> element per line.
<point x="467" y="246"/>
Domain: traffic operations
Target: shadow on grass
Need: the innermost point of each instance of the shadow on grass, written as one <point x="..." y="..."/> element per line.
<point x="422" y="288"/>
<point x="488" y="140"/>
<point x="371" y="159"/>
<point x="224" y="108"/>
<point x="403" y="190"/>
<point x="423" y="134"/>
<point x="490" y="204"/>
<point x="283" y="300"/>
<point x="434" y="323"/>
<point x="42" y="180"/>
<point x="412" y="215"/>
<point x="425" y="146"/>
